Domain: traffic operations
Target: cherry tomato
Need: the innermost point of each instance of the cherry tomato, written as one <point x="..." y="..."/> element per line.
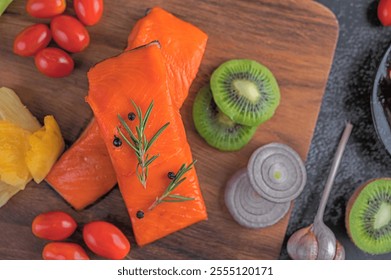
<point x="55" y="225"/>
<point x="89" y="12"/>
<point x="54" y="62"/>
<point x="69" y="33"/>
<point x="384" y="12"/>
<point x="32" y="39"/>
<point x="64" y="251"/>
<point x="106" y="240"/>
<point x="45" y="8"/>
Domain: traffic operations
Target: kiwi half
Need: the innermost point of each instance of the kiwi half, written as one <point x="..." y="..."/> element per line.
<point x="368" y="217"/>
<point x="246" y="91"/>
<point x="215" y="127"/>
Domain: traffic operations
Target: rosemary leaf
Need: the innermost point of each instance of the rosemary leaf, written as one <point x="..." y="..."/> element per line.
<point x="167" y="195"/>
<point x="178" y="200"/>
<point x="190" y="166"/>
<point x="139" y="134"/>
<point x="138" y="110"/>
<point x="149" y="161"/>
<point x="180" y="197"/>
<point x="139" y="177"/>
<point x="147" y="113"/>
<point x="128" y="130"/>
<point x="126" y="140"/>
<point x="140" y="143"/>
<point x="145" y="142"/>
<point x="175" y="185"/>
<point x="180" y="172"/>
<point x="157" y="134"/>
<point x="137" y="154"/>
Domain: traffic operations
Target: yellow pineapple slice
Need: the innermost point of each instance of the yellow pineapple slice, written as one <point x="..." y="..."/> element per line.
<point x="6" y="192"/>
<point x="46" y="145"/>
<point x="27" y="150"/>
<point x="13" y="148"/>
<point x="12" y="110"/>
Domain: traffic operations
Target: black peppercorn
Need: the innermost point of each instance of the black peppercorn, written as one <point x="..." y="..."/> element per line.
<point x="140" y="214"/>
<point x="131" y="116"/>
<point x="117" y="142"/>
<point x="171" y="175"/>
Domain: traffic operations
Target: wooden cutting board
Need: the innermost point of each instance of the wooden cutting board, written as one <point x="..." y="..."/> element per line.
<point x="295" y="39"/>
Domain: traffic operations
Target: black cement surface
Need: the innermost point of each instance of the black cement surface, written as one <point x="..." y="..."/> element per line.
<point x="362" y="42"/>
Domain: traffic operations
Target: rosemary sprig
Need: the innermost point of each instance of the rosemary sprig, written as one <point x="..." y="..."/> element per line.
<point x="139" y="142"/>
<point x="167" y="196"/>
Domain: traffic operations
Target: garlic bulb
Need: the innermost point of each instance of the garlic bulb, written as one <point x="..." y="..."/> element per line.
<point x="339" y="252"/>
<point x="304" y="245"/>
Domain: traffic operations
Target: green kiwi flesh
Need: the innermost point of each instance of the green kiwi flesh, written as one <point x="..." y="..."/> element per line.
<point x="369" y="217"/>
<point x="215" y="127"/>
<point x="246" y="91"/>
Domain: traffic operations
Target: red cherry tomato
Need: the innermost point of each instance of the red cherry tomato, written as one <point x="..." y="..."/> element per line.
<point x="89" y="12"/>
<point x="32" y="39"/>
<point x="55" y="225"/>
<point x="69" y="33"/>
<point x="106" y="240"/>
<point x="384" y="12"/>
<point x="45" y="8"/>
<point x="64" y="251"/>
<point x="54" y="62"/>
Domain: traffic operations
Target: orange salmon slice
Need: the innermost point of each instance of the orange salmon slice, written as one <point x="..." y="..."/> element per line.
<point x="140" y="75"/>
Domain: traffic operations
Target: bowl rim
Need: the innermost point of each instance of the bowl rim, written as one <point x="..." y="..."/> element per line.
<point x="381" y="124"/>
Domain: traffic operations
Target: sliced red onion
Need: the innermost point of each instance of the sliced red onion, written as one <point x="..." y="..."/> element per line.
<point x="277" y="173"/>
<point x="247" y="207"/>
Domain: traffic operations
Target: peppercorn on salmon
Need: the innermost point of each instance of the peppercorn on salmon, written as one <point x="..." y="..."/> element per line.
<point x="140" y="75"/>
<point x="182" y="60"/>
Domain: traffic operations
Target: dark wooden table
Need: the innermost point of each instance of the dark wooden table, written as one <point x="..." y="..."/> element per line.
<point x="295" y="39"/>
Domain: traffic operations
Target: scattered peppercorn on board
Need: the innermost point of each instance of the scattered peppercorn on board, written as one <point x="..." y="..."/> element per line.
<point x="294" y="39"/>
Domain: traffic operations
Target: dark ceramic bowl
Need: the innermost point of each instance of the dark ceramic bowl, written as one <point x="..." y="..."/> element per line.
<point x="381" y="101"/>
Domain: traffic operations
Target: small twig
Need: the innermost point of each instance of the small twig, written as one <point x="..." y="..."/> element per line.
<point x="167" y="195"/>
<point x="139" y="142"/>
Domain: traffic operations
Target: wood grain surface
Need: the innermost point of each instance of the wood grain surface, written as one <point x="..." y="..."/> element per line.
<point x="295" y="39"/>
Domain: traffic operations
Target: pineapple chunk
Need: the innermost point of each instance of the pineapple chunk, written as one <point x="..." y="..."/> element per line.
<point x="27" y="150"/>
<point x="13" y="148"/>
<point x="46" y="145"/>
<point x="12" y="110"/>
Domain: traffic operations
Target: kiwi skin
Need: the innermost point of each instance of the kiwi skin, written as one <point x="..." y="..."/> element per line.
<point x="349" y="206"/>
<point x="352" y="200"/>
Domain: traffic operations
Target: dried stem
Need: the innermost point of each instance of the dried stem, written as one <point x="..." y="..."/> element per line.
<point x="139" y="142"/>
<point x="167" y="195"/>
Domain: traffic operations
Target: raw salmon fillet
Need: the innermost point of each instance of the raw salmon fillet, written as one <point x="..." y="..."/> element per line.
<point x="183" y="46"/>
<point x="84" y="172"/>
<point x="182" y="59"/>
<point x="140" y="75"/>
